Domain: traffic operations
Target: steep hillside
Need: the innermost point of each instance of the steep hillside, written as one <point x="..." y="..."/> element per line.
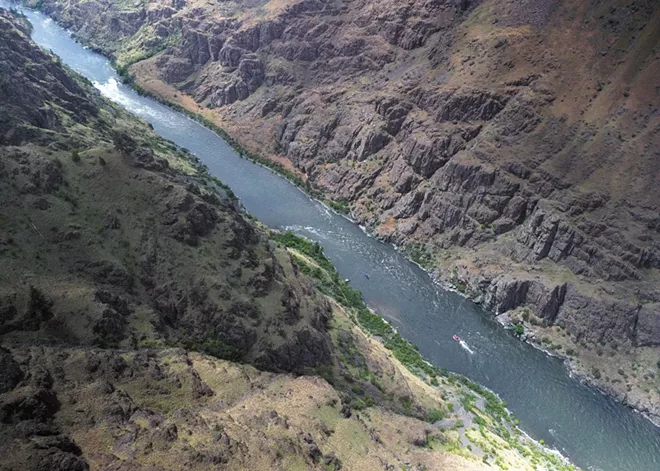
<point x="512" y="147"/>
<point x="113" y="242"/>
<point x="147" y="323"/>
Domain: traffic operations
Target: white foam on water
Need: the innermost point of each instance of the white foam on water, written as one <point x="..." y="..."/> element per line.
<point x="466" y="347"/>
<point x="111" y="90"/>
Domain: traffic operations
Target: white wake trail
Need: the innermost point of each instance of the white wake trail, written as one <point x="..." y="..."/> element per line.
<point x="466" y="347"/>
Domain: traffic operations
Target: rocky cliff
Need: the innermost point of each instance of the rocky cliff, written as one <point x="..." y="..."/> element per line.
<point x="147" y="323"/>
<point x="511" y="146"/>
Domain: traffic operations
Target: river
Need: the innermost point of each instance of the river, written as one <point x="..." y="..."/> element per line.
<point x="592" y="430"/>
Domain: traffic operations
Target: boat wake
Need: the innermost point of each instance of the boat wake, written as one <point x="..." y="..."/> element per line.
<point x="465" y="346"/>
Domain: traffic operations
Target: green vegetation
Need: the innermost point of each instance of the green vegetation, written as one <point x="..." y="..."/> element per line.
<point x="302" y="245"/>
<point x="420" y="254"/>
<point x="214" y="347"/>
<point x="459" y="284"/>
<point x="435" y="415"/>
<point x="141" y="46"/>
<point x="342" y="207"/>
<point x="329" y="282"/>
<point x="518" y="329"/>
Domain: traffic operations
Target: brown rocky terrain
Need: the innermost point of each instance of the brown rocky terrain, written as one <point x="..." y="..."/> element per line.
<point x="510" y="146"/>
<point x="147" y="323"/>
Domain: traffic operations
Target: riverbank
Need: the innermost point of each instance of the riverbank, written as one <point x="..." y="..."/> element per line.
<point x="467" y="409"/>
<point x="608" y="370"/>
<point x="627" y="373"/>
<point x="140" y="77"/>
<point x="615" y="377"/>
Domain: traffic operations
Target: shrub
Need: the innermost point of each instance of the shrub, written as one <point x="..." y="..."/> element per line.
<point x="477" y="419"/>
<point x="75" y="155"/>
<point x="435" y="415"/>
<point x="214" y="347"/>
<point x="518" y="329"/>
<point x="460" y="286"/>
<point x="342" y="207"/>
<point x="596" y="372"/>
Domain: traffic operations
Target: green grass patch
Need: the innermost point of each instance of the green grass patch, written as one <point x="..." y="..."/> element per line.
<point x="434" y="415"/>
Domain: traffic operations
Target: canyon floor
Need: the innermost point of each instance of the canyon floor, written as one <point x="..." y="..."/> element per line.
<point x="512" y="148"/>
<point x="147" y="322"/>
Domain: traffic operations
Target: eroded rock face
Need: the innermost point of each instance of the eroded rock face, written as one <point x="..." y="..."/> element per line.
<point x="589" y="319"/>
<point x="648" y="326"/>
<point x="26" y="92"/>
<point x="10" y="372"/>
<point x="470" y="139"/>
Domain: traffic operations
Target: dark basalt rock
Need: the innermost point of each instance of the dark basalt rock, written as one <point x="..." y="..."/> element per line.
<point x="117" y="302"/>
<point x="110" y="329"/>
<point x="10" y="372"/>
<point x="39" y="310"/>
<point x="37" y="404"/>
<point x="251" y="71"/>
<point x="58" y="453"/>
<point x="648" y="326"/>
<point x="108" y="273"/>
<point x="332" y="462"/>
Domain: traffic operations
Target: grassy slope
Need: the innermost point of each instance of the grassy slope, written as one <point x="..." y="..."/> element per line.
<point x="469" y="420"/>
